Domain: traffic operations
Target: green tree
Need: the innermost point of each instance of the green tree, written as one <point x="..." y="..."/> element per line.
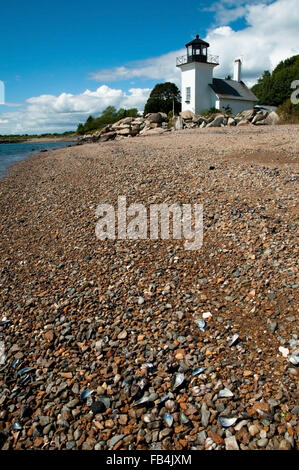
<point x="161" y="99"/>
<point x="274" y="89"/>
<point x="80" y="129"/>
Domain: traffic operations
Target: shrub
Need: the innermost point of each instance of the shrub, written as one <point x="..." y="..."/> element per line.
<point x="289" y="112"/>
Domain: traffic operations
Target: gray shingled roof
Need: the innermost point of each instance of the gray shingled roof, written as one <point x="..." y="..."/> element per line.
<point x="232" y="89"/>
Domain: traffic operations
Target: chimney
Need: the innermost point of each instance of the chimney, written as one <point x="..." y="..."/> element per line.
<point x="237" y="70"/>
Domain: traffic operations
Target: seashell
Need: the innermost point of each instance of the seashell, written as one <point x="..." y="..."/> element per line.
<point x="196" y="391"/>
<point x="226" y="422"/>
<point x="170" y="405"/>
<point x="206" y="315"/>
<point x="24" y="379"/>
<point x="168" y="419"/>
<point x="143" y="383"/>
<point x="17" y="426"/>
<point x="142" y="400"/>
<point x="15" y="363"/>
<point x="198" y="371"/>
<point x="23" y="371"/>
<point x="163" y="399"/>
<point x="26" y="412"/>
<point x="177" y="380"/>
<point x="200" y="323"/>
<point x="233" y="339"/>
<point x="126" y="382"/>
<point x="4" y="322"/>
<point x="294" y="359"/>
<point x="225" y="393"/>
<point x="85" y="394"/>
<point x="183" y="418"/>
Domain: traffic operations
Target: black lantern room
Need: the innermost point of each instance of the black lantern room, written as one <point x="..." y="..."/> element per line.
<point x="197" y="50"/>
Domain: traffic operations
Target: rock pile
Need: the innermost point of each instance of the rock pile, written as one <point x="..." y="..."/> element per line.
<point x="188" y="119"/>
<point x="153" y="123"/>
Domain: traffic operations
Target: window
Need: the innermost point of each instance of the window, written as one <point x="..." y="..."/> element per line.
<point x="188" y="93"/>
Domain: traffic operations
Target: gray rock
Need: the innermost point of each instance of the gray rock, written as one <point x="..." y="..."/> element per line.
<point x="231" y="443"/>
<point x="272" y="118"/>
<point x="217" y="121"/>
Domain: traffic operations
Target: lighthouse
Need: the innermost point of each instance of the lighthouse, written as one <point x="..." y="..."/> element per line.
<point x="200" y="91"/>
<point x="197" y="74"/>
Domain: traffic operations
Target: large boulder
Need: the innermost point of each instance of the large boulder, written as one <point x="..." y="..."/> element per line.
<point x="126" y="120"/>
<point x="157" y="131"/>
<point x="244" y="122"/>
<point x="155" y="118"/>
<point x="217" y="121"/>
<point x="124" y="131"/>
<point x="198" y="119"/>
<point x="272" y="118"/>
<point x="107" y="136"/>
<point x="231" y="122"/>
<point x="260" y="116"/>
<point x="248" y="114"/>
<point x="186" y="115"/>
<point x="178" y="123"/>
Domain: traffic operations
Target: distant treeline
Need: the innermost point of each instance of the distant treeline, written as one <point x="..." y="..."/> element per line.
<point x="108" y="116"/>
<point x="275" y="89"/>
<point x="16" y="138"/>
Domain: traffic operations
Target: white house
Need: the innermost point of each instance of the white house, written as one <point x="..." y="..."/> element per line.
<point x="200" y="91"/>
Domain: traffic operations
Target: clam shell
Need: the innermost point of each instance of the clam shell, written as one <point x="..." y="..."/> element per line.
<point x="233" y="339"/>
<point x="142" y="400"/>
<point x="294" y="359"/>
<point x="17" y="426"/>
<point x="85" y="394"/>
<point x="226" y="422"/>
<point x="15" y="363"/>
<point x="163" y="399"/>
<point x="198" y="371"/>
<point x="200" y="323"/>
<point x="168" y="419"/>
<point x="183" y="418"/>
<point x="23" y="371"/>
<point x="24" y="379"/>
<point x="170" y="405"/>
<point x="177" y="380"/>
<point x="225" y="393"/>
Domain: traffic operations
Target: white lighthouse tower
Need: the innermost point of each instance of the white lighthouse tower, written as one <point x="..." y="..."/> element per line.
<point x="197" y="74"/>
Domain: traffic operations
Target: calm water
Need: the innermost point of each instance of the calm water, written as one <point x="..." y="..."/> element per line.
<point x="11" y="153"/>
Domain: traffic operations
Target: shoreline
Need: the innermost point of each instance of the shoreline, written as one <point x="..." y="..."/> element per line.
<point x="85" y="314"/>
<point x="41" y="140"/>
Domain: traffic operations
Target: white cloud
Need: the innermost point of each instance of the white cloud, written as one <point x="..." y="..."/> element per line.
<point x="270" y="36"/>
<point x="49" y="113"/>
<point x="154" y="68"/>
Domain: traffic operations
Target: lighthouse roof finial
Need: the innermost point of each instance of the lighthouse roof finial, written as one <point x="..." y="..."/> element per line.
<point x="197" y="41"/>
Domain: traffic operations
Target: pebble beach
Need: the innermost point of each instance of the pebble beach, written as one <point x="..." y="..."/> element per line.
<point x="135" y="345"/>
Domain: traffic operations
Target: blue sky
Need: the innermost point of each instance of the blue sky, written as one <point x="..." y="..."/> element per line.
<point x="52" y="52"/>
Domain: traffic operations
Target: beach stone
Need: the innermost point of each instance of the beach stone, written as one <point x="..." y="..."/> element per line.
<point x="231" y="443"/>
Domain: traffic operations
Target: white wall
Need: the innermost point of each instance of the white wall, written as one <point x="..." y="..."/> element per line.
<point x="188" y="80"/>
<point x="197" y="76"/>
<point x="237" y="106"/>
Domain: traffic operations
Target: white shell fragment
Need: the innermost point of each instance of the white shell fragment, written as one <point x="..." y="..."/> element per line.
<point x="225" y="393"/>
<point x="168" y="419"/>
<point x="226" y="422"/>
<point x="178" y="379"/>
<point x="233" y="339"/>
<point x="284" y="351"/>
<point x="206" y="315"/>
